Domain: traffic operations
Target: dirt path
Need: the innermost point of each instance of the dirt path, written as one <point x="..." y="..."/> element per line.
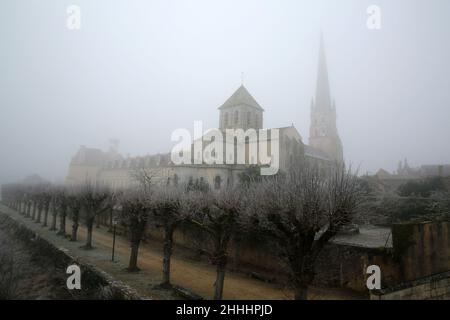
<point x="197" y="276"/>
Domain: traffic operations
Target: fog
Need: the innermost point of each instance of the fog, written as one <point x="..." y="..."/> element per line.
<point x="137" y="70"/>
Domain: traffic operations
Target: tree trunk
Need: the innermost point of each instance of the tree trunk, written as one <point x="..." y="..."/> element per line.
<point x="97" y="225"/>
<point x="132" y="267"/>
<point x="301" y="292"/>
<point x="303" y="275"/>
<point x="168" y="241"/>
<point x="110" y="226"/>
<point x="62" y="223"/>
<point x="220" y="278"/>
<point x="89" y="226"/>
<point x="53" y="225"/>
<point x="39" y="215"/>
<point x="74" y="227"/>
<point x="45" y="216"/>
<point x="28" y="209"/>
<point x="33" y="214"/>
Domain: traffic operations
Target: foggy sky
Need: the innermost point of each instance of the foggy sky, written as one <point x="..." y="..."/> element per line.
<point x="137" y="70"/>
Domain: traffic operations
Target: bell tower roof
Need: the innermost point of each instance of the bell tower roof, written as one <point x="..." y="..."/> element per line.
<point x="241" y="97"/>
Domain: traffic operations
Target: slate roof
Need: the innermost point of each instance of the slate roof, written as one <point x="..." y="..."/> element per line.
<point x="241" y="97"/>
<point x="316" y="153"/>
<point x="368" y="237"/>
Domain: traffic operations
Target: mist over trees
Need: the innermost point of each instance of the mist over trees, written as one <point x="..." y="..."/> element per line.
<point x="299" y="212"/>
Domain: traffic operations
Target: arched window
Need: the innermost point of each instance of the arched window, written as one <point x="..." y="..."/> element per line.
<point x="236" y="117"/>
<point x="225" y="119"/>
<point x="248" y="118"/>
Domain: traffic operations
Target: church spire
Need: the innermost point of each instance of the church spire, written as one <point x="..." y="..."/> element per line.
<point x="323" y="133"/>
<point x="323" y="100"/>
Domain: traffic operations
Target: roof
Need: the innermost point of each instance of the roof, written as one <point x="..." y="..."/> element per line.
<point x="367" y="237"/>
<point x="316" y="153"/>
<point x="34" y="179"/>
<point x="382" y="173"/>
<point x="241" y="97"/>
<point x="88" y="156"/>
<point x="436" y="170"/>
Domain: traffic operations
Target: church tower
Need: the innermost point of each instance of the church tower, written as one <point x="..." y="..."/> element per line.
<point x="241" y="111"/>
<point x="323" y="133"/>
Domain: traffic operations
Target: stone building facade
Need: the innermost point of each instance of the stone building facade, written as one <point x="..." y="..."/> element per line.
<point x="240" y="111"/>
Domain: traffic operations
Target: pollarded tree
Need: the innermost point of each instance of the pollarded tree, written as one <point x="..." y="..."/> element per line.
<point x="134" y="208"/>
<point x="54" y="207"/>
<point x="96" y="199"/>
<point x="34" y="201"/>
<point x="167" y="212"/>
<point x="74" y="203"/>
<point x="43" y="197"/>
<point x="11" y="195"/>
<point x="61" y="206"/>
<point x="301" y="212"/>
<point x="217" y="214"/>
<point x="46" y="199"/>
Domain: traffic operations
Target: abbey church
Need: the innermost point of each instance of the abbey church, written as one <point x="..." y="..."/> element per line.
<point x="240" y="111"/>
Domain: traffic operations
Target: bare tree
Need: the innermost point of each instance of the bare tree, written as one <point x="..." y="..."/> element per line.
<point x="61" y="206"/>
<point x="42" y="198"/>
<point x="46" y="199"/>
<point x="96" y="199"/>
<point x="440" y="205"/>
<point x="54" y="208"/>
<point x="302" y="212"/>
<point x="74" y="203"/>
<point x="144" y="177"/>
<point x="34" y="202"/>
<point x="167" y="213"/>
<point x="134" y="214"/>
<point x="217" y="214"/>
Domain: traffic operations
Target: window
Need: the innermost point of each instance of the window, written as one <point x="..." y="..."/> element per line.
<point x="236" y="117"/>
<point x="248" y="118"/>
<point x="225" y="119"/>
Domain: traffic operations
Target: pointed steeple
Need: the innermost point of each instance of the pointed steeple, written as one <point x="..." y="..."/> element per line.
<point x="323" y="134"/>
<point x="323" y="100"/>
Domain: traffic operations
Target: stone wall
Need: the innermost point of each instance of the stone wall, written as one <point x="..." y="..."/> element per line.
<point x="421" y="249"/>
<point x="436" y="287"/>
<point x="101" y="284"/>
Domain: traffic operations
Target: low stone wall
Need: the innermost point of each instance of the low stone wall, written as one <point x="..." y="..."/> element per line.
<point x="101" y="284"/>
<point x="436" y="287"/>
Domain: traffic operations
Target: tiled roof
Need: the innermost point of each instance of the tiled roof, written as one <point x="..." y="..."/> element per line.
<point x="241" y="97"/>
